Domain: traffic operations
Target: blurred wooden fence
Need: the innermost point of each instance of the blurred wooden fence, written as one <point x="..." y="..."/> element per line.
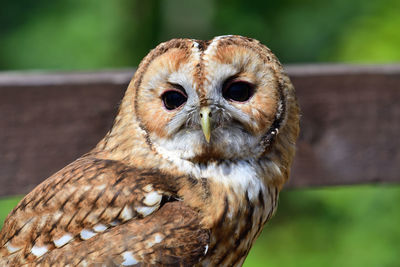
<point x="350" y="123"/>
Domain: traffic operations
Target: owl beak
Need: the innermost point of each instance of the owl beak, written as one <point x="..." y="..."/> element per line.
<point x="205" y="115"/>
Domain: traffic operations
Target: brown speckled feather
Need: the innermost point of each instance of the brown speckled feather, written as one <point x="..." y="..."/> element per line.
<point x="94" y="196"/>
<point x="158" y="240"/>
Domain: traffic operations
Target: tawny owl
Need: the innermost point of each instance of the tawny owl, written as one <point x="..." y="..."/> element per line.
<point x="188" y="174"/>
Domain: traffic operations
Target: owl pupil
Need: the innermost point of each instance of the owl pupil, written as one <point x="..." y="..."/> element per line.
<point x="173" y="99"/>
<point x="238" y="91"/>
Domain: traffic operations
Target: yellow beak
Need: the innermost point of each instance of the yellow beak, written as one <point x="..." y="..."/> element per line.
<point x="205" y="114"/>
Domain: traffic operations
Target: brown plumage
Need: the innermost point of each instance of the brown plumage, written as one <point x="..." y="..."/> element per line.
<point x="188" y="175"/>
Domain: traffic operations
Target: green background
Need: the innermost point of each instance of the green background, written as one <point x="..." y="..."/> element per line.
<point x="338" y="226"/>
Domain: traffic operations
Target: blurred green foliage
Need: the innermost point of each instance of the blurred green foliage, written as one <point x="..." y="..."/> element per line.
<point x="6" y="205"/>
<point x="340" y="226"/>
<point x="95" y="34"/>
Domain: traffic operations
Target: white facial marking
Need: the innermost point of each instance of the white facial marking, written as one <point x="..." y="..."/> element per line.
<point x="196" y="51"/>
<point x="126" y="213"/>
<point x="145" y="211"/>
<point x="63" y="240"/>
<point x="39" y="250"/>
<point x="87" y="234"/>
<point x="196" y="44"/>
<point x="129" y="259"/>
<point x="11" y="248"/>
<point x="100" y="227"/>
<point x="152" y="198"/>
<point x="148" y="188"/>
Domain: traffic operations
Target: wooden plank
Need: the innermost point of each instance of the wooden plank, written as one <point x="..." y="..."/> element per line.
<point x="350" y="123"/>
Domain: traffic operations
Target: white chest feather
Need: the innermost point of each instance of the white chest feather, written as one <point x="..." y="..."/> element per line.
<point x="242" y="175"/>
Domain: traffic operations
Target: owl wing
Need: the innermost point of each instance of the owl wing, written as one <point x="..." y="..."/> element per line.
<point x="171" y="236"/>
<point x="94" y="199"/>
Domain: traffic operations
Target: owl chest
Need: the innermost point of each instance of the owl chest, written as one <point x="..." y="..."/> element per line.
<point x="237" y="228"/>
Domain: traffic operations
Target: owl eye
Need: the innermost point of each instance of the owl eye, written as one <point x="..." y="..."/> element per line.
<point x="173" y="99"/>
<point x="238" y="91"/>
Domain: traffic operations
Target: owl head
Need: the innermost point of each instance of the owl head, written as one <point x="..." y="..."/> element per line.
<point x="223" y="99"/>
